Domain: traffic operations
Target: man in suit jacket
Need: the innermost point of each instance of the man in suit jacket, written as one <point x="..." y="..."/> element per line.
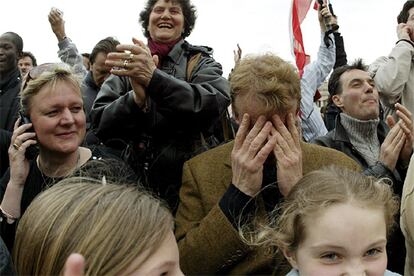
<point x="239" y="183"/>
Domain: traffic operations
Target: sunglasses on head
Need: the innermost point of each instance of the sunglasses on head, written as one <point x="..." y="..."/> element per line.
<point x="39" y="70"/>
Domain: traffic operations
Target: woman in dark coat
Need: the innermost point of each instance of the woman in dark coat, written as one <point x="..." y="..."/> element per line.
<point x="163" y="99"/>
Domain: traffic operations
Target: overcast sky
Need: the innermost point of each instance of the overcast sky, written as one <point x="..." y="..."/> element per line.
<point x="368" y="26"/>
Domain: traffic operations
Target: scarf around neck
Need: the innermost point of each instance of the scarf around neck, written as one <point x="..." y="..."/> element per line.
<point x="161" y="49"/>
<point x="363" y="135"/>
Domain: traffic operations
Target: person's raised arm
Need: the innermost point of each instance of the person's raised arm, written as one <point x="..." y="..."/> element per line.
<point x="392" y="73"/>
<point x="340" y="53"/>
<point x="313" y="76"/>
<point x="57" y="24"/>
<point x="68" y="52"/>
<point x="194" y="101"/>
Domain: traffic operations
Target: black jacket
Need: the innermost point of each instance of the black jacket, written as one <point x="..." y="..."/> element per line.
<point x="338" y="139"/>
<point x="9" y="100"/>
<point x="5" y="139"/>
<point x="331" y="110"/>
<point x="178" y="111"/>
<point x="6" y="265"/>
<point x="89" y="92"/>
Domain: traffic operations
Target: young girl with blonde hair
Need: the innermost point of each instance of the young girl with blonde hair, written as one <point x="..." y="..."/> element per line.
<point x="334" y="222"/>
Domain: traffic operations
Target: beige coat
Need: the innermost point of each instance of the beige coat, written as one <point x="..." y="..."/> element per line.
<point x="208" y="242"/>
<point x="394" y="77"/>
<point x="407" y="218"/>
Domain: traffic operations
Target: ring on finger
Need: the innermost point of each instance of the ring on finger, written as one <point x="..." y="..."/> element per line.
<point x="131" y="56"/>
<point x="126" y="62"/>
<point x="16" y="146"/>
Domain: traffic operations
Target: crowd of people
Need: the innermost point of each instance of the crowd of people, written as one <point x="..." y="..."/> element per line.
<point x="128" y="160"/>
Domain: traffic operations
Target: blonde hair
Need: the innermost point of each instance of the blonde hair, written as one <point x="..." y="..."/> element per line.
<point x="268" y="79"/>
<point x="317" y="191"/>
<point x="110" y="225"/>
<point x="48" y="75"/>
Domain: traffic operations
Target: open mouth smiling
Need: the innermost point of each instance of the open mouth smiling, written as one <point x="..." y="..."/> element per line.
<point x="164" y="26"/>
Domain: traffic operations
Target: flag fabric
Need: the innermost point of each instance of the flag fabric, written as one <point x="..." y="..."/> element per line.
<point x="298" y="13"/>
<point x="316" y="6"/>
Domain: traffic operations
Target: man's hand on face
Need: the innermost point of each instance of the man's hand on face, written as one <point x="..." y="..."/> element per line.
<point x="250" y="151"/>
<point x="288" y="153"/>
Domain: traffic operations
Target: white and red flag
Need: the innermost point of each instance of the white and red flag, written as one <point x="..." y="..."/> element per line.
<point x="298" y="13"/>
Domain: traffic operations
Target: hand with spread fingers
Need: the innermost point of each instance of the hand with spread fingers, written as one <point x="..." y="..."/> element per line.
<point x="406" y="125"/>
<point x="136" y="62"/>
<point x="133" y="60"/>
<point x="288" y="153"/>
<point x="391" y="147"/>
<point x="20" y="141"/>
<point x="250" y="151"/>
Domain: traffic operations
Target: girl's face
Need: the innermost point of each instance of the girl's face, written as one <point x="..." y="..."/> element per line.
<point x="344" y="239"/>
<point x="164" y="261"/>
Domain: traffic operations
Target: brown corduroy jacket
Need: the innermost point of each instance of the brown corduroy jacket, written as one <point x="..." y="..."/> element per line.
<point x="407" y="218"/>
<point x="208" y="242"/>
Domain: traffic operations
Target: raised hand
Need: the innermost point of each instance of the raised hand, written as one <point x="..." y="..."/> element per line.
<point x="392" y="145"/>
<point x="57" y="23"/>
<point x="237" y="54"/>
<point x="406" y="124"/>
<point x="134" y="61"/>
<point x="404" y="31"/>
<point x="325" y="17"/>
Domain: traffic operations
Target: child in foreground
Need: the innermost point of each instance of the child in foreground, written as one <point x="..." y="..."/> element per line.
<point x="115" y="229"/>
<point x="335" y="222"/>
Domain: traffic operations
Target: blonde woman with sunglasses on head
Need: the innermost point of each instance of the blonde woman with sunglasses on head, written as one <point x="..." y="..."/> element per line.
<point x="54" y="120"/>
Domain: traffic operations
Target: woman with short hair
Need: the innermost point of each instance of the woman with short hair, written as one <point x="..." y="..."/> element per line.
<point x="53" y="119"/>
<point x="164" y="98"/>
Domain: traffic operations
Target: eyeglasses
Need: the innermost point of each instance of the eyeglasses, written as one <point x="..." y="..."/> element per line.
<point x="35" y="72"/>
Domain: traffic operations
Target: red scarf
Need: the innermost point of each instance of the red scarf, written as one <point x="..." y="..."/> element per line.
<point x="161" y="49"/>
